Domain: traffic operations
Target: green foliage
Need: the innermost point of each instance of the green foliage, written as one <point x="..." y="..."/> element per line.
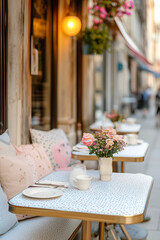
<point x="97" y="40"/>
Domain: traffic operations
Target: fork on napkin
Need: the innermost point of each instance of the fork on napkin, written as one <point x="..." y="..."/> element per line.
<point x="50" y="184"/>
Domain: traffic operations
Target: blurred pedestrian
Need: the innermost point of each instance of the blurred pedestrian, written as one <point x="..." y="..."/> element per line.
<point x="157" y="101"/>
<point x="139" y="100"/>
<point x="145" y="101"/>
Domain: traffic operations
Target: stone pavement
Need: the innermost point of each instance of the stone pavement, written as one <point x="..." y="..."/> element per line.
<point x="151" y="166"/>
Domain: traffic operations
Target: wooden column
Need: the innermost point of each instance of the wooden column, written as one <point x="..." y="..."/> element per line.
<point x="3" y="82"/>
<point x="18" y="74"/>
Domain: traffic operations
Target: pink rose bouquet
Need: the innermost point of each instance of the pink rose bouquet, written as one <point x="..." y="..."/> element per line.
<point x="115" y="116"/>
<point x="104" y="143"/>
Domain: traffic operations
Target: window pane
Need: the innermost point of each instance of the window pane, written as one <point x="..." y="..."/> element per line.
<point x="40" y="65"/>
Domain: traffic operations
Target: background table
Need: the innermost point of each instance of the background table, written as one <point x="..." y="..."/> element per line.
<point x="104" y="124"/>
<point x="131" y="153"/>
<point x="122" y="200"/>
<point x="125" y="128"/>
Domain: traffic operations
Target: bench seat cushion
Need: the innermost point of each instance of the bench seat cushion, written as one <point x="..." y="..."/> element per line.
<point x="7" y="219"/>
<point x="42" y="228"/>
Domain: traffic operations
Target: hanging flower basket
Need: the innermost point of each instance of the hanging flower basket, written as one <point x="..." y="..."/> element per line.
<point x="96" y="40"/>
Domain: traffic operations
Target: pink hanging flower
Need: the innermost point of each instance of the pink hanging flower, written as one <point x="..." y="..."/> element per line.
<point x="125" y="6"/>
<point x="131" y="4"/>
<point x="128" y="13"/>
<point x="103" y="10"/>
<point x="96" y="21"/>
<point x="95" y="27"/>
<point x="120" y="13"/>
<point x="96" y="7"/>
<point x="102" y="16"/>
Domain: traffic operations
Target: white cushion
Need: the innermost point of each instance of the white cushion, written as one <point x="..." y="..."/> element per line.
<point x="7" y="219"/>
<point x="42" y="228"/>
<point x="5" y="145"/>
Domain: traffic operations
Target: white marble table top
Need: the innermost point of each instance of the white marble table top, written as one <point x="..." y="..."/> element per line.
<point x="126" y="195"/>
<point x="131" y="151"/>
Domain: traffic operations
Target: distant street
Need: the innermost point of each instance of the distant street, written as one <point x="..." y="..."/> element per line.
<point x="151" y="166"/>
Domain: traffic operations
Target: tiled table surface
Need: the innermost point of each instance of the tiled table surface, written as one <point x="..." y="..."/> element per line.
<point x="125" y="195"/>
<point x="122" y="200"/>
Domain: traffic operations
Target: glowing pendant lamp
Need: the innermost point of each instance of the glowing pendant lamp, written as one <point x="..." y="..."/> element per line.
<point x="71" y="25"/>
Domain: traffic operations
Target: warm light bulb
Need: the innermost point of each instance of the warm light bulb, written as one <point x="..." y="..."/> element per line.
<point x="71" y="25"/>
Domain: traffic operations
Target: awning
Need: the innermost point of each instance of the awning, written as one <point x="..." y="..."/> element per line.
<point x="144" y="67"/>
<point x="130" y="43"/>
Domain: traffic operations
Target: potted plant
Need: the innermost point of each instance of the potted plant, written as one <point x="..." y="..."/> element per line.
<point x="96" y="40"/>
<point x="104" y="144"/>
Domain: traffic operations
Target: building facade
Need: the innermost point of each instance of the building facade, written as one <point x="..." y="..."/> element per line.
<point x="46" y="80"/>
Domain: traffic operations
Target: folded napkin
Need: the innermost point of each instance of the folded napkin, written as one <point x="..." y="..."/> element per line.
<point x="77" y="149"/>
<point x="52" y="183"/>
<point x="80" y="148"/>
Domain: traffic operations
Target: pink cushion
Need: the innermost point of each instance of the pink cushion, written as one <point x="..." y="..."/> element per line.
<point x="62" y="153"/>
<point x="20" y="171"/>
<point x="56" y="146"/>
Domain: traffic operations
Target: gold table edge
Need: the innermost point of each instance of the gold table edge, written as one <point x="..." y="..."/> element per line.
<point x="76" y="215"/>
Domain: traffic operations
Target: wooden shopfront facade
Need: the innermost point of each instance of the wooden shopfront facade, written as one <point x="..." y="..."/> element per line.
<point x="46" y="82"/>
